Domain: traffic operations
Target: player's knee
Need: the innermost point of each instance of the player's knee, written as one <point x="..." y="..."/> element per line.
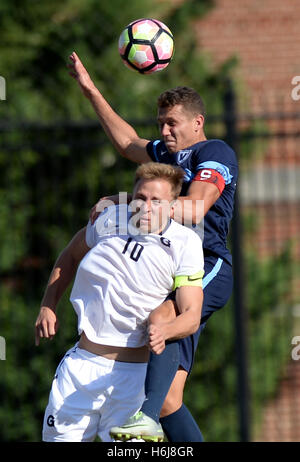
<point x="171" y="404"/>
<point x="174" y="398"/>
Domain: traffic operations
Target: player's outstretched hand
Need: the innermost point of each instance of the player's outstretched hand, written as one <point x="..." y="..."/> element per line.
<point x="79" y="73"/>
<point x="156" y="339"/>
<point x="46" y="324"/>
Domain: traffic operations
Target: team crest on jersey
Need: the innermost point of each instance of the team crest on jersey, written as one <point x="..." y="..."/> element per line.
<point x="165" y="241"/>
<point x="182" y="155"/>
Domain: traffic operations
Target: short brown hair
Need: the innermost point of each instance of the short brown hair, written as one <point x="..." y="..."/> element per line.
<point x="186" y="96"/>
<point x="156" y="171"/>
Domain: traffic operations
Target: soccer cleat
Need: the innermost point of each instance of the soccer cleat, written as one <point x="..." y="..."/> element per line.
<point x="133" y="440"/>
<point x="139" y="426"/>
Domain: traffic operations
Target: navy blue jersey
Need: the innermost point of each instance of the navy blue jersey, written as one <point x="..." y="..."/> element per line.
<point x="211" y="154"/>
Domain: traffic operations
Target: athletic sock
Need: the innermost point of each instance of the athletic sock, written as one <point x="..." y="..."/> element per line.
<point x="181" y="426"/>
<point x="160" y="374"/>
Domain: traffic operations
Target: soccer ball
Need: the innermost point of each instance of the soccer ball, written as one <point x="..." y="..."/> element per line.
<point x="146" y="45"/>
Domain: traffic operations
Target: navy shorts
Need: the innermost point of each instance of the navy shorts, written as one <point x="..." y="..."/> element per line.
<point x="217" y="288"/>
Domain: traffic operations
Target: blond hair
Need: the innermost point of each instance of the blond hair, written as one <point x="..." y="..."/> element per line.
<point x="156" y="171"/>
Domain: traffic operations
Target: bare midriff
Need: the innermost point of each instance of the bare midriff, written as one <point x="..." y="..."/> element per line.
<point x="123" y="354"/>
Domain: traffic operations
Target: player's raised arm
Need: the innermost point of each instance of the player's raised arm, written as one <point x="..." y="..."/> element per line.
<point x="121" y="134"/>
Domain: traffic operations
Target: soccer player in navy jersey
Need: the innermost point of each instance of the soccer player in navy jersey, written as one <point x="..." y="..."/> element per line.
<point x="211" y="175"/>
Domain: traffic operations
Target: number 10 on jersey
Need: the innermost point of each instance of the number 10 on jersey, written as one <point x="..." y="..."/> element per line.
<point x="134" y="250"/>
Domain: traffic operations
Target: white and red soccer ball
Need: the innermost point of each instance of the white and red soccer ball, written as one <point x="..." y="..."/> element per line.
<point x="146" y="45"/>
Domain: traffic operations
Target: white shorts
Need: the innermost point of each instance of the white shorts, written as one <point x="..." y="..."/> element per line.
<point x="90" y="394"/>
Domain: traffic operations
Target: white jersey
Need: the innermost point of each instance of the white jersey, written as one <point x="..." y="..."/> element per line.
<point x="125" y="276"/>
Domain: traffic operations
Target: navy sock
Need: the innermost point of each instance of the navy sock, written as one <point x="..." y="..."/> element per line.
<point x="160" y="374"/>
<point x="181" y="426"/>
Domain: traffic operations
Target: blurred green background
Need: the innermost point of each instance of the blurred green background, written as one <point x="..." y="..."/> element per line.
<point x="56" y="162"/>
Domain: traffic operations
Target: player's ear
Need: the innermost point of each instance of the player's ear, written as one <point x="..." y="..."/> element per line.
<point x="199" y="122"/>
<point x="172" y="207"/>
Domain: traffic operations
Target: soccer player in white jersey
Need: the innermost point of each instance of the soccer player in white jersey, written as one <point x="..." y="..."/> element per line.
<point x="127" y="263"/>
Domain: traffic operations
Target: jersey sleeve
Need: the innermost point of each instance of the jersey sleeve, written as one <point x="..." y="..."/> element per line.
<point x="219" y="161"/>
<point x="158" y="152"/>
<point x="190" y="269"/>
<point x="97" y="229"/>
<point x="90" y="237"/>
<point x="151" y="150"/>
<point x="112" y="221"/>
